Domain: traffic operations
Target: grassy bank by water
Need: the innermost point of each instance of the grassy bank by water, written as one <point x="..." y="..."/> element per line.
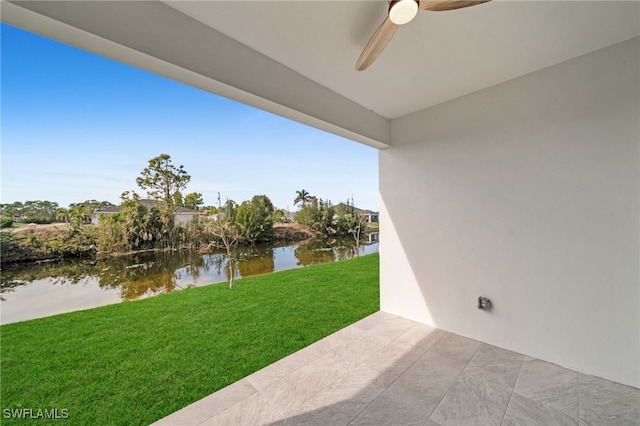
<point x="136" y="362"/>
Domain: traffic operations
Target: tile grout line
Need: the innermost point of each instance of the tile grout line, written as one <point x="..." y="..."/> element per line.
<point x="454" y="382"/>
<point x="400" y="375"/>
<point x="578" y="394"/>
<point x="513" y="390"/>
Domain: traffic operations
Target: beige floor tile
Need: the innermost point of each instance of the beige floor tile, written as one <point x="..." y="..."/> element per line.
<point x="419" y="337"/>
<point x="412" y="398"/>
<point x="253" y="411"/>
<point x="276" y="371"/>
<point x="472" y="401"/>
<point x="339" y="404"/>
<point x="211" y="405"/>
<point x="526" y="412"/>
<point x="496" y="365"/>
<point x="453" y="351"/>
<point x="603" y="402"/>
<point x="385" y="326"/>
<point x="296" y="388"/>
<point x="549" y="385"/>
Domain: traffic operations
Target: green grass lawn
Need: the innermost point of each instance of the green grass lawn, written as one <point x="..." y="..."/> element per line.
<point x="136" y="362"/>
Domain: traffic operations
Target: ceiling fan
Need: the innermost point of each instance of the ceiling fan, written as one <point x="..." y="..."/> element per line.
<point x="402" y="12"/>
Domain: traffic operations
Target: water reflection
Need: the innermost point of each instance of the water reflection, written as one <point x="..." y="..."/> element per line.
<point x="256" y="260"/>
<point x="32" y="291"/>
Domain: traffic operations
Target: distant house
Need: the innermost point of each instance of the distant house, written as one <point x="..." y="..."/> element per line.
<point x="370" y="215"/>
<point x="183" y="215"/>
<point x="214" y="217"/>
<point x="95" y="217"/>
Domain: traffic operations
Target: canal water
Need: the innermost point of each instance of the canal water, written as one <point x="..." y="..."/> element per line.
<point x="49" y="288"/>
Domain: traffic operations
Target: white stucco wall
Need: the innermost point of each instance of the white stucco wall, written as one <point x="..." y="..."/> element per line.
<point x="527" y="193"/>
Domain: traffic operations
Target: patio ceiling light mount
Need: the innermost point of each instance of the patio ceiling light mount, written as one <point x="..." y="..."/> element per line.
<point x="402" y="12"/>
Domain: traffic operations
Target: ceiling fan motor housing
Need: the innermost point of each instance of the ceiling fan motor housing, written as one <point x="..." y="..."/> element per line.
<point x="402" y="11"/>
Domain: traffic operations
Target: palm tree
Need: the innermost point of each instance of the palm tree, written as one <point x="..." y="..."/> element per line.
<point x="302" y="197"/>
<point x="78" y="214"/>
<point x="63" y="215"/>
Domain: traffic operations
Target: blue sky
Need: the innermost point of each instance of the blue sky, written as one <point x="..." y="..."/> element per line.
<point x="77" y="126"/>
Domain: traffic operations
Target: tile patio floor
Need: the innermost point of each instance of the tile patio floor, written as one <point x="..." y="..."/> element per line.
<point x="386" y="370"/>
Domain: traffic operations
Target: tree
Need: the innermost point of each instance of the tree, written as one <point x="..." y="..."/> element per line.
<point x="5" y="222"/>
<point x="104" y="204"/>
<point x="12" y="210"/>
<point x="227" y="230"/>
<point x="350" y="222"/>
<point x="177" y="199"/>
<point x="264" y="202"/>
<point x="162" y="180"/>
<point x="63" y="215"/>
<point x="317" y="215"/>
<point x="302" y="197"/>
<point x="19" y="209"/>
<point x="77" y="215"/>
<point x="95" y="205"/>
<point x="193" y="201"/>
<point x="279" y="216"/>
<point x="255" y="219"/>
<point x="134" y="227"/>
<point x="39" y="211"/>
<point x="142" y="224"/>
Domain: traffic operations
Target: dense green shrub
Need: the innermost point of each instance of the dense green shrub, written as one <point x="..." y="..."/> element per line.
<point x="318" y="215"/>
<point x="349" y="222"/>
<point x="138" y="227"/>
<point x="279" y="216"/>
<point x="71" y="243"/>
<point x="255" y="219"/>
<point x="40" y="220"/>
<point x="48" y="244"/>
<point x="8" y="242"/>
<point x="6" y="222"/>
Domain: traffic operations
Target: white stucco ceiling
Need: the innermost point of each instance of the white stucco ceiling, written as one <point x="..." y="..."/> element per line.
<point x="437" y="57"/>
<point x="297" y="58"/>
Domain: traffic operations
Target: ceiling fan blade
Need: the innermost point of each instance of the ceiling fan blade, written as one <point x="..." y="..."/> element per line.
<point x="441" y="5"/>
<point x="376" y="45"/>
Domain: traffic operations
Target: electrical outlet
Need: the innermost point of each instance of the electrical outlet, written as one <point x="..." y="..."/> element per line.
<point x="484" y="303"/>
